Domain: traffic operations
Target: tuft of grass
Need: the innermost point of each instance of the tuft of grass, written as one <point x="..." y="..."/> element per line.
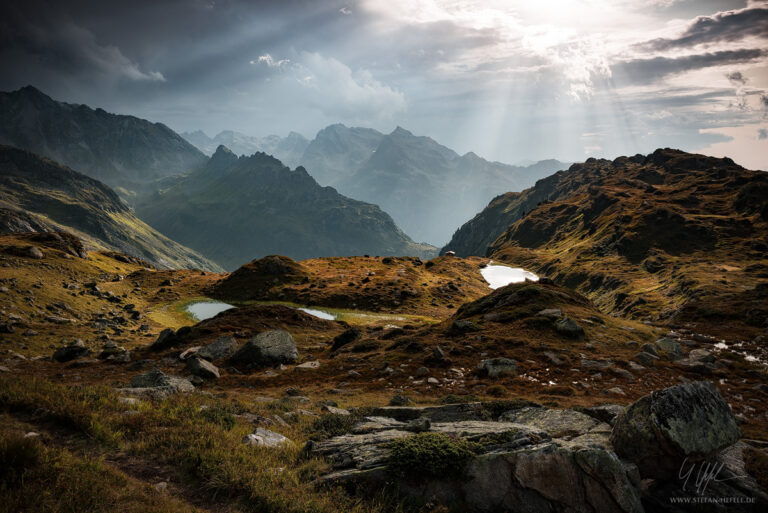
<point x="430" y="455"/>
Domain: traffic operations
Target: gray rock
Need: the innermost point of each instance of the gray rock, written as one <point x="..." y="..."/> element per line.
<point x="164" y="340"/>
<point x="669" y="348"/>
<point x="202" y="368"/>
<point x="309" y="365"/>
<point x="334" y="410"/>
<point x="265" y="438"/>
<point x="270" y="348"/>
<point x="399" y="400"/>
<point x="223" y="347"/>
<point x="556" y="423"/>
<point x="419" y="425"/>
<point x="700" y="355"/>
<point x="551" y="312"/>
<point x="495" y="367"/>
<point x="646" y="359"/>
<point x="157" y="384"/>
<point x="34" y="252"/>
<point x="569" y="328"/>
<point x="650" y="349"/>
<point x="76" y="349"/>
<point x="661" y="430"/>
<point x="607" y="413"/>
<point x="595" y="364"/>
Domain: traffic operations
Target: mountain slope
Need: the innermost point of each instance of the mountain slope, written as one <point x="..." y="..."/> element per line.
<point x="429" y="189"/>
<point x="122" y="151"/>
<point x="668" y="235"/>
<point x="287" y="149"/>
<point x="237" y="209"/>
<point x="37" y="194"/>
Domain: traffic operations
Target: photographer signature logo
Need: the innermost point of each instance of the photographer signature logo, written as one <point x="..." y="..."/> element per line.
<point x="703" y="474"/>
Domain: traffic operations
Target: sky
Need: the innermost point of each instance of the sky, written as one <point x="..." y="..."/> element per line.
<point x="510" y="80"/>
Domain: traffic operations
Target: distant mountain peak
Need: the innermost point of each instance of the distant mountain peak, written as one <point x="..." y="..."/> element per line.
<point x="401" y="131"/>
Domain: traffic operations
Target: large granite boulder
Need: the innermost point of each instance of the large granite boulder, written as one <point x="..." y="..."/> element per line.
<point x="270" y="348"/>
<point x="685" y="422"/>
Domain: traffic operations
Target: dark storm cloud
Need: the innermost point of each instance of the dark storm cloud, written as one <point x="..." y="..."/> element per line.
<point x="736" y="78"/>
<point x="643" y="71"/>
<point x="728" y="26"/>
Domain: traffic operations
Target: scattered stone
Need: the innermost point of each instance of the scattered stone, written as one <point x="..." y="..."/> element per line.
<point x="422" y="371"/>
<point x="551" y="312"/>
<point x="188" y="353"/>
<point x="161" y="487"/>
<point x="309" y="365"/>
<point x="615" y="391"/>
<point x="553" y="358"/>
<point x="334" y="410"/>
<point x="496" y="367"/>
<point x="650" y="349"/>
<point x="399" y="400"/>
<point x="270" y="348"/>
<point x="645" y="358"/>
<point x="203" y="368"/>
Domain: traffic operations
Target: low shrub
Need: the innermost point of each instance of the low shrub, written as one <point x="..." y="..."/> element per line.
<point x="430" y="455"/>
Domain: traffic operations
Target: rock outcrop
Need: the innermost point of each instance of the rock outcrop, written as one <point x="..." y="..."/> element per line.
<point x="529" y="458"/>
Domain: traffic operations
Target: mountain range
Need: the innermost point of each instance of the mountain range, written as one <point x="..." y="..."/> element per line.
<point x="39" y="195"/>
<point x="288" y="150"/>
<point x="121" y="151"/>
<point x="428" y="188"/>
<point x="235" y="209"/>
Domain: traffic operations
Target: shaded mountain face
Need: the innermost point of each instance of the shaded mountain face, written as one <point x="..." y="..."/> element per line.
<point x="237" y="209"/>
<point x="430" y="189"/>
<point x="287" y="149"/>
<point x="337" y="151"/>
<point x="118" y="150"/>
<point x="668" y="235"/>
<point x="37" y="194"/>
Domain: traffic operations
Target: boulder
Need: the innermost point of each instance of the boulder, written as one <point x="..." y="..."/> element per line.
<point x="265" y="438"/>
<point x="156" y="383"/>
<point x="270" y="348"/>
<point x="202" y="368"/>
<point x="569" y="328"/>
<point x="669" y="348"/>
<point x="72" y="351"/>
<point x="164" y="340"/>
<point x="349" y="336"/>
<point x="495" y="367"/>
<point x="223" y="347"/>
<point x="685" y="422"/>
